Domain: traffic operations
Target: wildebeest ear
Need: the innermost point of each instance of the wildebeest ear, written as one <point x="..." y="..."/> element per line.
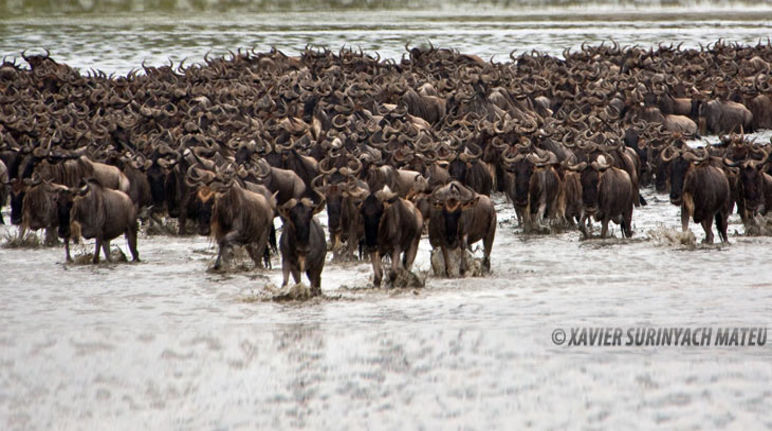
<point x="470" y="203"/>
<point x="286" y="207"/>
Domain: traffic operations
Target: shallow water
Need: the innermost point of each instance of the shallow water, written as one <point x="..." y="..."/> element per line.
<point x="165" y="344"/>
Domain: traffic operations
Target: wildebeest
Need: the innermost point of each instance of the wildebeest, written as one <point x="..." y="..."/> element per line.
<point x="39" y="207"/>
<point x="393" y="226"/>
<point x="287" y="183"/>
<point x="545" y="194"/>
<point x="702" y="190"/>
<point x="719" y="116"/>
<point x="103" y="214"/>
<point x="202" y="206"/>
<point x="607" y="195"/>
<point x="343" y="217"/>
<point x="459" y="218"/>
<point x="468" y="169"/>
<point x="520" y="168"/>
<point x="302" y="244"/>
<point x="755" y="186"/>
<point x="240" y="217"/>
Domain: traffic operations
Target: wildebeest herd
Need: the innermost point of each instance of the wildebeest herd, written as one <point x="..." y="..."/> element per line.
<point x="391" y="149"/>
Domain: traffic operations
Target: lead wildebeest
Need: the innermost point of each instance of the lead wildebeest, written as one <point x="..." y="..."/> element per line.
<point x="702" y="190"/>
<point x="302" y="244"/>
<point x="102" y="213"/>
<point x="392" y="226"/>
<point x="240" y="217"/>
<point x="607" y="195"/>
<point x="459" y="218"/>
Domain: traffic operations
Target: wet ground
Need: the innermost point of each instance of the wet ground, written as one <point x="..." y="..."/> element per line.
<point x="167" y="344"/>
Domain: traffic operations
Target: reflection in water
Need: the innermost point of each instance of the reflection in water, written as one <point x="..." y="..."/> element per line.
<point x="118" y="43"/>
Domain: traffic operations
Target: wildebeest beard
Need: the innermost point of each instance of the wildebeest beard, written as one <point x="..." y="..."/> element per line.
<point x="678" y="168"/>
<point x="300" y="218"/>
<point x="372" y="211"/>
<point x="452" y="218"/>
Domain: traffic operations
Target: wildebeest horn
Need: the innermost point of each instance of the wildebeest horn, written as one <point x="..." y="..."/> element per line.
<point x="263" y="169"/>
<point x="601" y="164"/>
<point x="692" y="156"/>
<point x="664" y="154"/>
<point x="577" y="167"/>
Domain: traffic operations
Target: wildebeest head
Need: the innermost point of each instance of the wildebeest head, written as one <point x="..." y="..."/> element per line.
<point x="522" y="169"/>
<point x="38" y="208"/>
<point x="679" y="164"/>
<point x="297" y="216"/>
<point x="590" y="178"/>
<point x="18" y="190"/>
<point x="372" y="210"/>
<point x="63" y="198"/>
<point x="452" y="200"/>
<point x="751" y="181"/>
<point x="204" y="202"/>
<point x="156" y="178"/>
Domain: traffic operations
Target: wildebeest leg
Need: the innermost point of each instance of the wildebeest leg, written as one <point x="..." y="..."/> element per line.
<point x="315" y="277"/>
<point x="255" y="254"/>
<point x="487" y="249"/>
<point x="51" y="236"/>
<point x="627" y="226"/>
<point x="67" y="249"/>
<point x="583" y="226"/>
<point x="411" y="253"/>
<point x="131" y="237"/>
<point x="394" y="264"/>
<point x="375" y="259"/>
<point x="225" y="243"/>
<point x="97" y="250"/>
<point x="684" y="219"/>
<point x="285" y="272"/>
<point x="446" y="260"/>
<point x="721" y="225"/>
<point x="707" y="226"/>
<point x="106" y="249"/>
<point x="604" y="229"/>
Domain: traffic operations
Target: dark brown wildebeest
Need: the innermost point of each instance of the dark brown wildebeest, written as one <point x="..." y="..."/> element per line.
<point x="468" y="169"/>
<point x="202" y="205"/>
<point x="39" y="207"/>
<point x="545" y="190"/>
<point x="103" y="214"/>
<point x="607" y="195"/>
<point x="287" y="183"/>
<point x="241" y="217"/>
<point x="392" y="226"/>
<point x="343" y="217"/>
<point x="518" y="165"/>
<point x="302" y="244"/>
<point x="459" y="218"/>
<point x="702" y="190"/>
<point x="755" y="186"/>
<point x="724" y="117"/>
<point x="73" y="170"/>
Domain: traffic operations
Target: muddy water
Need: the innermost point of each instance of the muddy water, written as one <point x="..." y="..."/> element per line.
<point x="166" y="344"/>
